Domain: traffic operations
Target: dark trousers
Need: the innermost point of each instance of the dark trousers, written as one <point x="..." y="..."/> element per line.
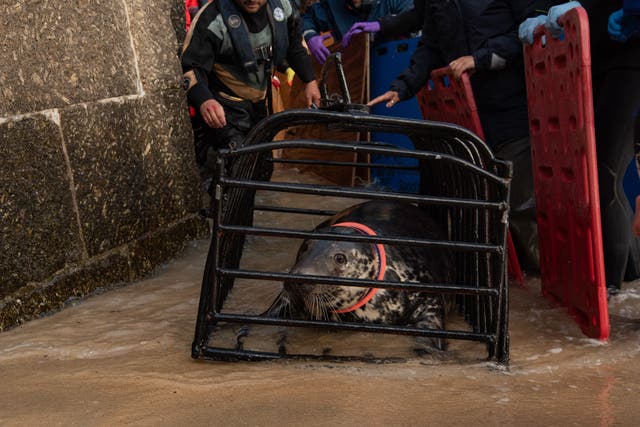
<point x="616" y="97"/>
<point x="522" y="221"/>
<point x="238" y="204"/>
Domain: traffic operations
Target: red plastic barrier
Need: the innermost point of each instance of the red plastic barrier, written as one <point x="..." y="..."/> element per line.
<point x="449" y="100"/>
<point x="188" y="6"/>
<point x="446" y="99"/>
<point x="566" y="178"/>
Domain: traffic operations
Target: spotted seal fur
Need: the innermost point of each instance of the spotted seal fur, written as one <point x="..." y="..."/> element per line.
<point x="362" y="260"/>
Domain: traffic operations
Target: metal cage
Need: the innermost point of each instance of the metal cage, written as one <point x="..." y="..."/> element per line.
<point x="464" y="187"/>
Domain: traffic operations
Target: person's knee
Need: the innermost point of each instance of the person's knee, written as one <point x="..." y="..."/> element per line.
<point x="522" y="197"/>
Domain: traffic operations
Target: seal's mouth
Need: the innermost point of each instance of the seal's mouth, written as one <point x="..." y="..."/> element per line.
<point x="315" y="300"/>
<point x="325" y="303"/>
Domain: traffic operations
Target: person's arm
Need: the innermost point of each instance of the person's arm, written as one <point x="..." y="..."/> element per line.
<point x="198" y="56"/>
<point x="500" y="51"/>
<point x="315" y="20"/>
<point x="424" y="60"/>
<point x="406" y="22"/>
<point x="297" y="57"/>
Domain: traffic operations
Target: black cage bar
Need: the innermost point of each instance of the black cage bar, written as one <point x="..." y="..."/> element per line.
<point x="462" y="185"/>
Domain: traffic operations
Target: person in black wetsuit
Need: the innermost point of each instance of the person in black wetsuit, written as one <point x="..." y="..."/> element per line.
<point x="481" y="38"/>
<point x="228" y="57"/>
<point x="616" y="94"/>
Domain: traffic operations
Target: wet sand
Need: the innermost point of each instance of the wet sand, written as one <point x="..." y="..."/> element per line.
<point x="123" y="358"/>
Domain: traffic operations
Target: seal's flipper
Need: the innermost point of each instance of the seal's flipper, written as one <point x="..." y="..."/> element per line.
<point x="430" y="315"/>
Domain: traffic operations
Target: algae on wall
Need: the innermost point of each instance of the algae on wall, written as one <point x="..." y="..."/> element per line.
<point x="98" y="182"/>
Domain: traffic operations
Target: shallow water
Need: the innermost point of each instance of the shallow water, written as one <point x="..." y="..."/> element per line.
<point x="123" y="357"/>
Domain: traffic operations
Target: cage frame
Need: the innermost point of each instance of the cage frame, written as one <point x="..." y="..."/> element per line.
<point x="447" y="143"/>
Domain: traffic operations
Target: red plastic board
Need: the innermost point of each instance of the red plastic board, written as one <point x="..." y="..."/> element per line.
<point x="447" y="99"/>
<point x="565" y="172"/>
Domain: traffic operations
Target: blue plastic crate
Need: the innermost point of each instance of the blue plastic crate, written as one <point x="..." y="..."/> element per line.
<point x="387" y="60"/>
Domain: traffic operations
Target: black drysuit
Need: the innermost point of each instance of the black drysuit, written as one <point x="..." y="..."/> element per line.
<point x="214" y="68"/>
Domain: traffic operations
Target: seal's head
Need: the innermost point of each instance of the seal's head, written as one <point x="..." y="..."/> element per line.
<point x="334" y="259"/>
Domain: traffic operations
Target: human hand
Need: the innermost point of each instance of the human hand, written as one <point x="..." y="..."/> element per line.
<point x="528" y="28"/>
<point x="317" y="47"/>
<point x="312" y="93"/>
<point x="462" y="64"/>
<point x="391" y="97"/>
<point x="623" y="27"/>
<point x="552" y="25"/>
<point x="360" y="27"/>
<point x="213" y="114"/>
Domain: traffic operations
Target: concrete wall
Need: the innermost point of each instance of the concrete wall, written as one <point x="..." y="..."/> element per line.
<point x="98" y="182"/>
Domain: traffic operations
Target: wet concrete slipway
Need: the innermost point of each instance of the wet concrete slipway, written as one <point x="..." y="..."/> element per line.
<point x="123" y="358"/>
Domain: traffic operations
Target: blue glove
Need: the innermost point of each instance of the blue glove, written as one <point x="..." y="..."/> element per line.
<point x="552" y="26"/>
<point x="318" y="49"/>
<point x="360" y="27"/>
<point x="622" y="27"/>
<point x="528" y="27"/>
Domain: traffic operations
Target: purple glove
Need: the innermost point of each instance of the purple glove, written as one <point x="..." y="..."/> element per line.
<point x="317" y="48"/>
<point x="360" y="27"/>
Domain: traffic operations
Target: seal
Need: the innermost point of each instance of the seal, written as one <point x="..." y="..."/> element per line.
<point x="364" y="260"/>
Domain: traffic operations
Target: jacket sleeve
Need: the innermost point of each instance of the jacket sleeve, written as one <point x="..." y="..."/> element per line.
<point x="315" y="20"/>
<point x="297" y="56"/>
<point x="406" y="22"/>
<point x="424" y="60"/>
<point x="198" y="56"/>
<point x="497" y="52"/>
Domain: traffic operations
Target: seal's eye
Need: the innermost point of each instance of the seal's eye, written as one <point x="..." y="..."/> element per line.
<point x="340" y="259"/>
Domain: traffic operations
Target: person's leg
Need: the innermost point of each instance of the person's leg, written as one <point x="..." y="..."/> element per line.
<point x="237" y="203"/>
<point x="636" y="144"/>
<point x="522" y="221"/>
<point x="615" y="100"/>
<point x="633" y="265"/>
<point x="636" y="218"/>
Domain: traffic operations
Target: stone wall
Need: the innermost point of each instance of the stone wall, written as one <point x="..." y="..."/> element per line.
<point x="98" y="183"/>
